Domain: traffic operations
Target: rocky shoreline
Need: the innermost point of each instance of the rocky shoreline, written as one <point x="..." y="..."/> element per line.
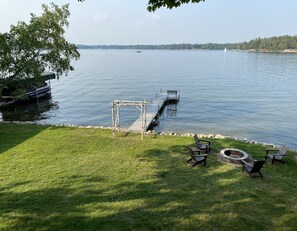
<point x="201" y="135"/>
<point x="286" y="51"/>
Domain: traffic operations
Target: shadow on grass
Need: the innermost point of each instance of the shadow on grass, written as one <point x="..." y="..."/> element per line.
<point x="176" y="197"/>
<point x="12" y="135"/>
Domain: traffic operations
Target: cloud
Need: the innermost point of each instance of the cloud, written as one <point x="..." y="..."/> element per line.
<point x="99" y="18"/>
<point x="141" y="23"/>
<point x="153" y="16"/>
<point x="137" y="24"/>
<point x="144" y="21"/>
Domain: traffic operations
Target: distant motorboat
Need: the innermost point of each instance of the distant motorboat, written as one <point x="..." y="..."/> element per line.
<point x="138" y="51"/>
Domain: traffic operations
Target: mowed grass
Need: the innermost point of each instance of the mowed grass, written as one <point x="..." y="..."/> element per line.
<point x="60" y="178"/>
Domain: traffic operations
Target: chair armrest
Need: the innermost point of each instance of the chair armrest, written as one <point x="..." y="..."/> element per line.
<point x="271" y="150"/>
<point x="279" y="154"/>
<point x="194" y="149"/>
<point x="207" y="141"/>
<point x="244" y="162"/>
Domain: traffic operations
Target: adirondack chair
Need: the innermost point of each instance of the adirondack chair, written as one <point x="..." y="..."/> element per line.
<point x="280" y="153"/>
<point x="201" y="144"/>
<point x="196" y="158"/>
<point x="252" y="169"/>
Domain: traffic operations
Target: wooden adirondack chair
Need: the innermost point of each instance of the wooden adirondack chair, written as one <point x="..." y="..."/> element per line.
<point x="201" y="144"/>
<point x="252" y="169"/>
<point x="196" y="158"/>
<point x="280" y="153"/>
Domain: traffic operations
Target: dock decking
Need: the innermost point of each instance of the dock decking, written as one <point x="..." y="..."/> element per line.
<point x="155" y="108"/>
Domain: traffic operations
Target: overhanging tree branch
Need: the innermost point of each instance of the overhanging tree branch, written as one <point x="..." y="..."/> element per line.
<point x="28" y="49"/>
<point x="153" y="5"/>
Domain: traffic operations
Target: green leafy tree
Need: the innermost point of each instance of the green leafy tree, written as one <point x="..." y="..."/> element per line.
<point x="29" y="49"/>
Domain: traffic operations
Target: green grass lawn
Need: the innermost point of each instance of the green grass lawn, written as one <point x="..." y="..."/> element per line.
<point x="59" y="178"/>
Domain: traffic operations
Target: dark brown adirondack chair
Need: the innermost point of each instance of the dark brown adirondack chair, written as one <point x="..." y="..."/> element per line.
<point x="202" y="144"/>
<point x="196" y="158"/>
<point x="253" y="169"/>
<point x="278" y="155"/>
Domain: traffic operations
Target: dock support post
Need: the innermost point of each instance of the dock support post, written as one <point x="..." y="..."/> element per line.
<point x="112" y="119"/>
<point x="144" y="115"/>
<point x="118" y="119"/>
<point x="142" y="132"/>
<point x="49" y="84"/>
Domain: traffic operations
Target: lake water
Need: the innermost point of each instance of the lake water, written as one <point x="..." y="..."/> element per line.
<point x="242" y="94"/>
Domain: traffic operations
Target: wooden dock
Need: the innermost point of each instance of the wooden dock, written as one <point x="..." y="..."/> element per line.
<point x="155" y="108"/>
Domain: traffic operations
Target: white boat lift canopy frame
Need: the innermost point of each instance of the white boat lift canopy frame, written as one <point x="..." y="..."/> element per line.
<point x="116" y="114"/>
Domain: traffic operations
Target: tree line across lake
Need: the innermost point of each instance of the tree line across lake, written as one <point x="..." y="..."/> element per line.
<point x="273" y="44"/>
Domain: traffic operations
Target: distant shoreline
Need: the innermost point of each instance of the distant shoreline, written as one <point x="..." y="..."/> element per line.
<point x="276" y="44"/>
<point x="136" y="48"/>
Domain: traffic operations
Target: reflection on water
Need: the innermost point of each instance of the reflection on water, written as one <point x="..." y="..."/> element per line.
<point x="171" y="109"/>
<point x="29" y="111"/>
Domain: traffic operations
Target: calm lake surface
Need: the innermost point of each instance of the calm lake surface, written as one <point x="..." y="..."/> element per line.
<point x="242" y="94"/>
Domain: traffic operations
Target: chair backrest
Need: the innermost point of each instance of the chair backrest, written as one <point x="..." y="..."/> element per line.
<point x="283" y="150"/>
<point x="258" y="164"/>
<point x="197" y="139"/>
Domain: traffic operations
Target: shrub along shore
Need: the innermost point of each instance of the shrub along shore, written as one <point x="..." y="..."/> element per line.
<point x="69" y="178"/>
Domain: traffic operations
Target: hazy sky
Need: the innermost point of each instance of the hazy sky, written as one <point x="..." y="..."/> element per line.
<point x="128" y="21"/>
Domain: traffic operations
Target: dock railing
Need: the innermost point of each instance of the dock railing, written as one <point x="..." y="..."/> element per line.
<point x="173" y="95"/>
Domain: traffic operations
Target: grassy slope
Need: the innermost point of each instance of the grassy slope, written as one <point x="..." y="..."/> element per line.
<point x="57" y="178"/>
